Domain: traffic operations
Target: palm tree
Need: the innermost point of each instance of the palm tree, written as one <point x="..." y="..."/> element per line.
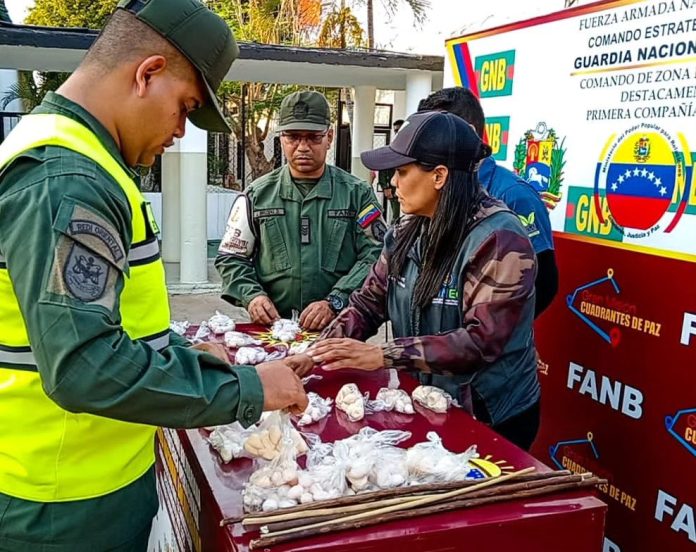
<point x="4" y="16"/>
<point x="418" y="7"/>
<point x="31" y="88"/>
<point x="341" y="29"/>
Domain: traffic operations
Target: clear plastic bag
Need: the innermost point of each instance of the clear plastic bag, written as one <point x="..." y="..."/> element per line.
<point x="266" y="441"/>
<point x="220" y="323"/>
<point x="235" y="340"/>
<point x="350" y="400"/>
<point x="202" y="333"/>
<point x="179" y="327"/>
<point x="228" y="440"/>
<point x="395" y="399"/>
<point x="389" y="469"/>
<point x="365" y="450"/>
<point x="250" y="356"/>
<point x="299" y="347"/>
<point x="285" y="330"/>
<point x="431" y="462"/>
<point x="432" y="398"/>
<point x="318" y="409"/>
<point x="269" y="485"/>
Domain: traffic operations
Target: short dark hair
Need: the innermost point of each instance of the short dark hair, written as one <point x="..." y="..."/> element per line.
<point x="458" y="100"/>
<point x="398" y="123"/>
<point x="116" y="45"/>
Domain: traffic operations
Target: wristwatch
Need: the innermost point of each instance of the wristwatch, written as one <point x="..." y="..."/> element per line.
<point x="336" y="302"/>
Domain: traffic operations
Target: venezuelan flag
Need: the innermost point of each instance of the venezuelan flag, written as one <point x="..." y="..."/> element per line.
<point x="640" y="180"/>
<point x="368" y="215"/>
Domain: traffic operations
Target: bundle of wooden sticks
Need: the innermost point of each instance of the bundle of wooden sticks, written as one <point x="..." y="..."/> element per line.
<point x="362" y="510"/>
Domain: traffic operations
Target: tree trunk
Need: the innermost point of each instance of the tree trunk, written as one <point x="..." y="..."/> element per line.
<point x="370" y="25"/>
<point x="256" y="155"/>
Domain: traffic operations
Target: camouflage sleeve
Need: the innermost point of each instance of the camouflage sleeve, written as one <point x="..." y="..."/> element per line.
<point x="498" y="283"/>
<point x="367" y="306"/>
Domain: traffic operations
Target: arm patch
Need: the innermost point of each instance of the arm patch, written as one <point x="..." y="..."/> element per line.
<point x="239" y="236"/>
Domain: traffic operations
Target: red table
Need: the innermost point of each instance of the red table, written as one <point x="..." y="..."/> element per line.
<point x="198" y="490"/>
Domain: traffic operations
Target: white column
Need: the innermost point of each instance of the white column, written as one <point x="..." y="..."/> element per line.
<point x="171" y="200"/>
<point x="193" y="166"/>
<point x="399" y="111"/>
<point x="418" y="86"/>
<point x="363" y="127"/>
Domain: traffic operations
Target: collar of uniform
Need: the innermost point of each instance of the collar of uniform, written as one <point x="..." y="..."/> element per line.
<point x="485" y="172"/>
<point x="322" y="189"/>
<point x="55" y="103"/>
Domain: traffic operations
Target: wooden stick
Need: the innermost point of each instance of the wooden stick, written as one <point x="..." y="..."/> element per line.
<point x="414" y="503"/>
<point x="323" y="515"/>
<point x="251" y="522"/>
<point x="340" y="525"/>
<point x="303" y="510"/>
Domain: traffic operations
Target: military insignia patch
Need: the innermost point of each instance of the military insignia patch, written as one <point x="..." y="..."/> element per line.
<point x="368" y="215"/>
<point x="379" y="229"/>
<point x="529" y="223"/>
<point x="300" y="110"/>
<point x="85" y="274"/>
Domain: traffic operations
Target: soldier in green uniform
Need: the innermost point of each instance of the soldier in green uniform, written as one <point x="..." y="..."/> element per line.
<point x="88" y="365"/>
<point x="304" y="236"/>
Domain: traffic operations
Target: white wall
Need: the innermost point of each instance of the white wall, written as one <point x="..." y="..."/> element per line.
<point x="219" y="205"/>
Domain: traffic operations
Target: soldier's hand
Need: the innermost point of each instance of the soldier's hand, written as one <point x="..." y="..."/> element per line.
<point x="282" y="388"/>
<point x="301" y="364"/>
<point x="316" y="316"/>
<point x="216" y="349"/>
<point x="262" y="310"/>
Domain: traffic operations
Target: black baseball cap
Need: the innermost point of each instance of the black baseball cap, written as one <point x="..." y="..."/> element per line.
<point x="431" y="138"/>
<point x="202" y="37"/>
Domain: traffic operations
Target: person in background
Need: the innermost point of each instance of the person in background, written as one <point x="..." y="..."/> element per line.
<point x="302" y="237"/>
<point x="505" y="185"/>
<point x="456" y="280"/>
<point x="88" y="365"/>
<point x="384" y="181"/>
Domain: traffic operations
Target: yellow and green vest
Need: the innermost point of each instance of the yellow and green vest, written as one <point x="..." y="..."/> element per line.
<point x="48" y="454"/>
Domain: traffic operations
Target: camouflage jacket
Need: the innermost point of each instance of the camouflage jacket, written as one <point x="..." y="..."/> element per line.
<point x="476" y="338"/>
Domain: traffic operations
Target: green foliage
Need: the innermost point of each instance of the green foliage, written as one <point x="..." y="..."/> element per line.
<point x="4" y="16"/>
<point x="341" y="29"/>
<point x="557" y="167"/>
<point x="31" y="88"/>
<point x="91" y="14"/>
<point x="519" y="163"/>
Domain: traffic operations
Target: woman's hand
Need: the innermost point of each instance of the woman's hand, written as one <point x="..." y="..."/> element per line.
<point x="337" y="353"/>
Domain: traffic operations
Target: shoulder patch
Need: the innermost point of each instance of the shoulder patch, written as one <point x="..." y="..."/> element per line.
<point x="93" y="228"/>
<point x="85" y="274"/>
<point x="368" y="215"/>
<point x="239" y="236"/>
<point x="529" y="223"/>
<point x="379" y="229"/>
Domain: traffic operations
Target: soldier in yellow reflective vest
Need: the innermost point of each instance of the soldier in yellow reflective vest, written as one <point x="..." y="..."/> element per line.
<point x="88" y="365"/>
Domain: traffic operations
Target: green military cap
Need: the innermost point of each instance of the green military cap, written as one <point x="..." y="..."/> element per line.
<point x="306" y="110"/>
<point x="202" y="37"/>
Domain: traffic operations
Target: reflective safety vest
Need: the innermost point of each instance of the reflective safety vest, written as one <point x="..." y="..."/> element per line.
<point x="48" y="454"/>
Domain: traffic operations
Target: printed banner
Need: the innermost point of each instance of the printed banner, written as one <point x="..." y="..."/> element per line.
<point x="596" y="107"/>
